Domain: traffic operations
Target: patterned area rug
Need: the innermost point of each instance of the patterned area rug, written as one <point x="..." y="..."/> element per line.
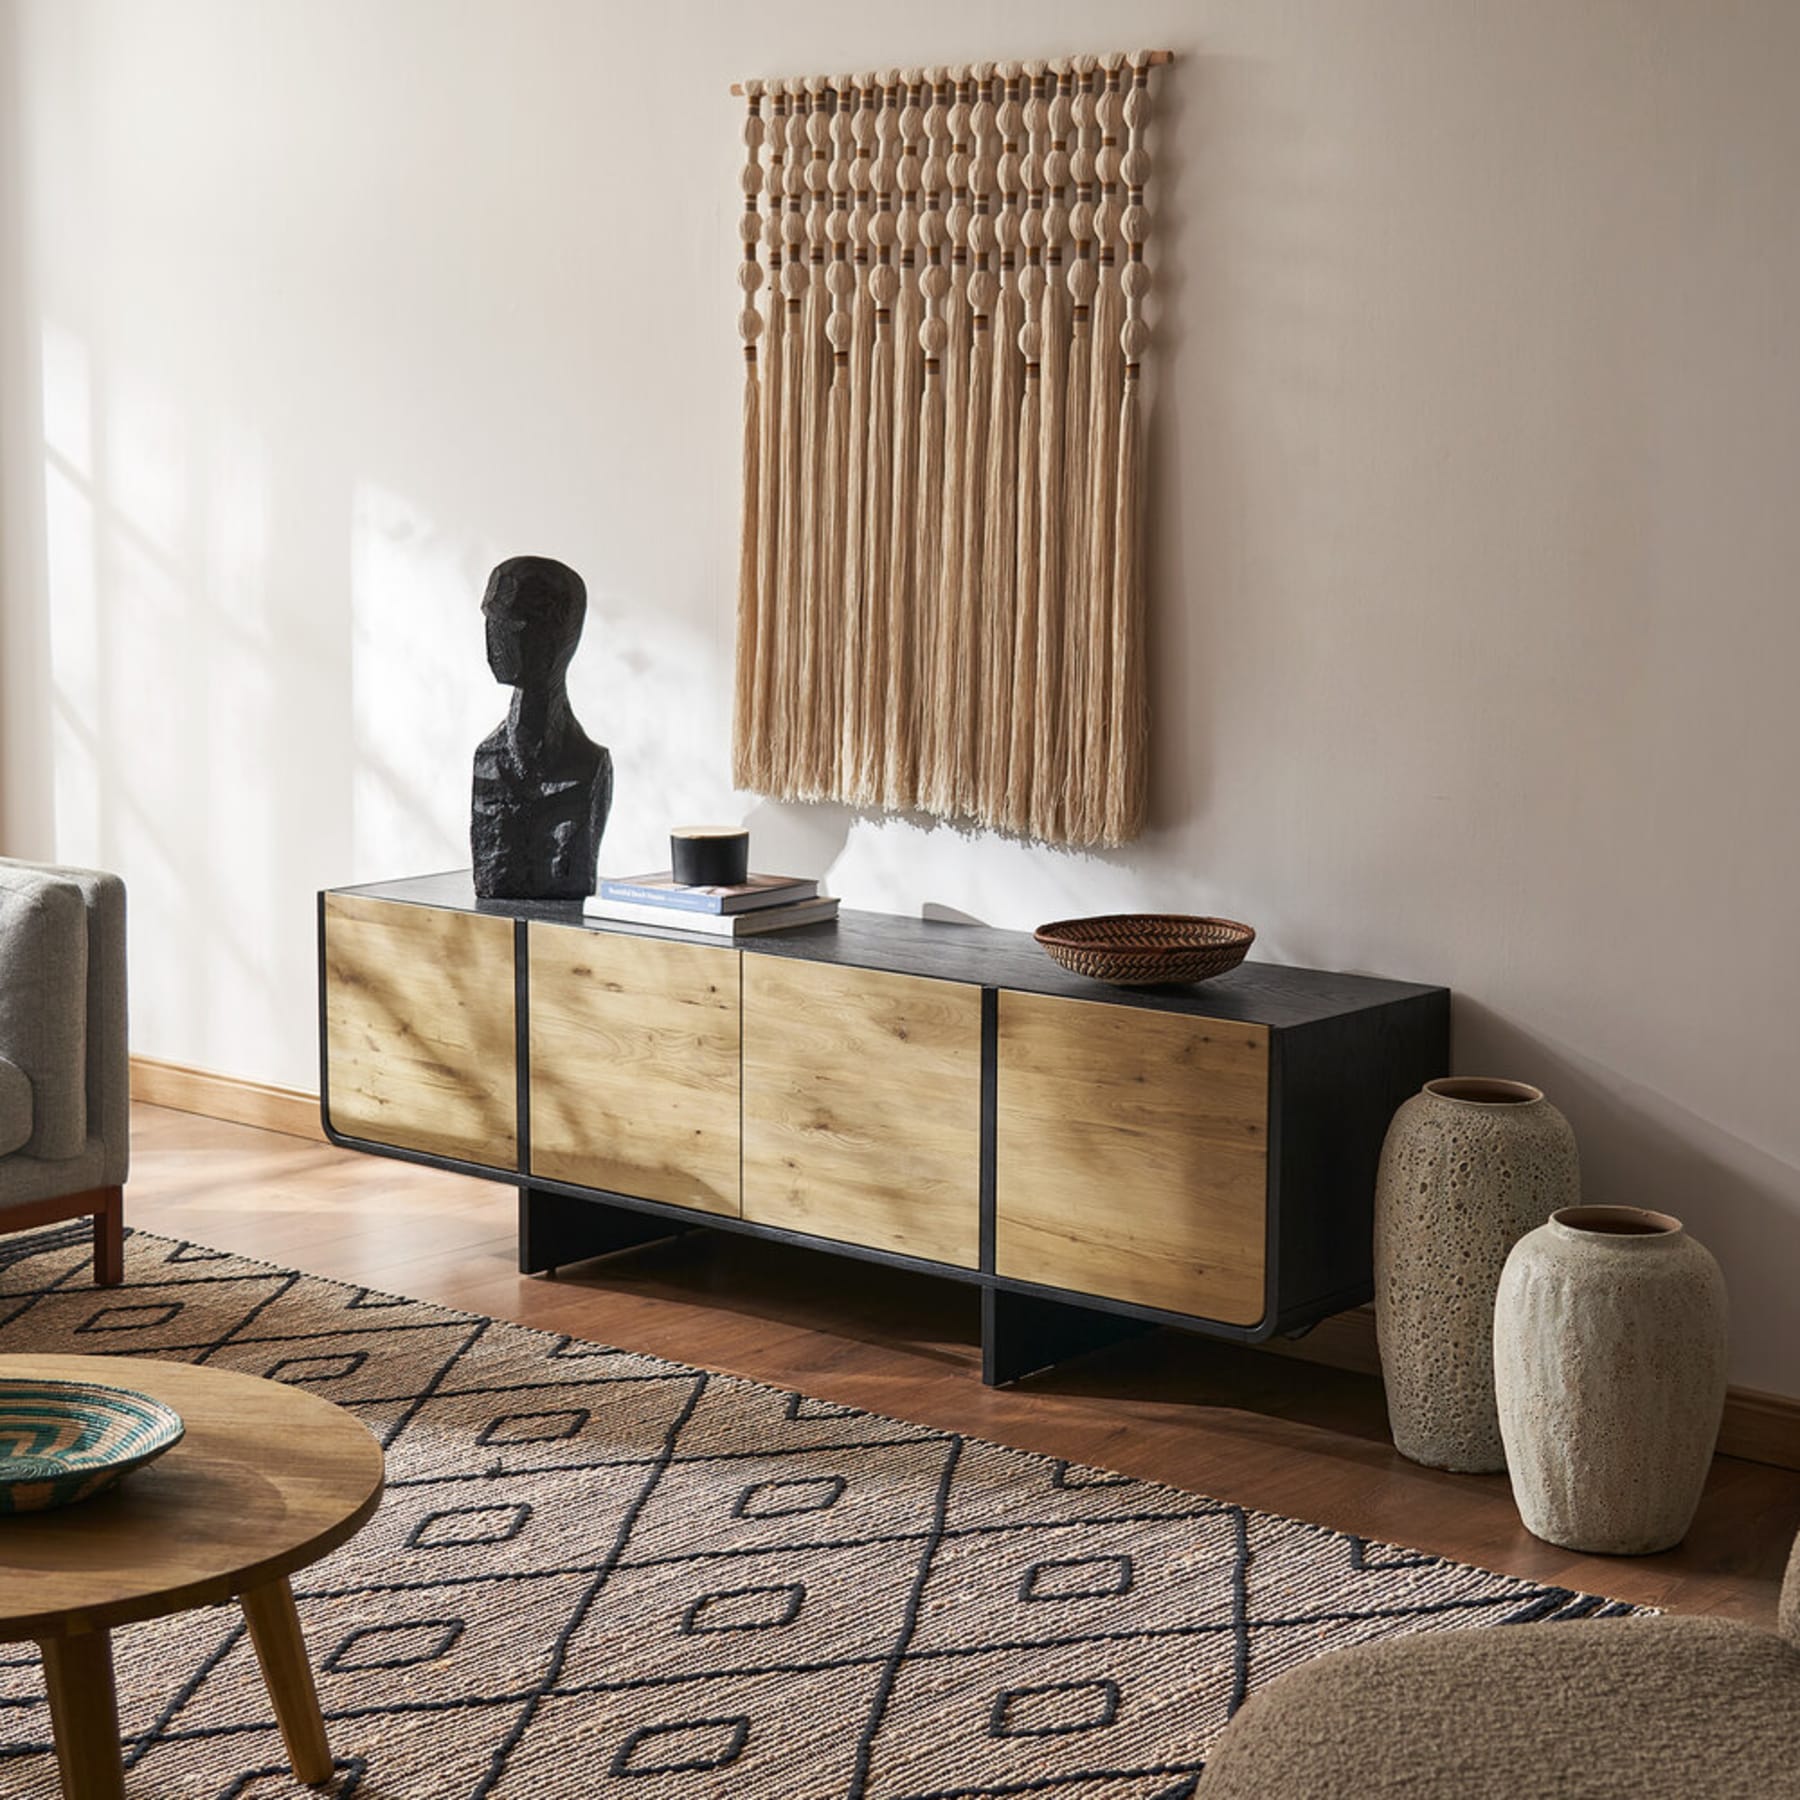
<point x="597" y="1573"/>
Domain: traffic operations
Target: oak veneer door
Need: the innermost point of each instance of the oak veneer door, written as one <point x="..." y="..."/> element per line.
<point x="634" y="1065"/>
<point x="419" y="1028"/>
<point x="1131" y="1156"/>
<point x="862" y="1107"/>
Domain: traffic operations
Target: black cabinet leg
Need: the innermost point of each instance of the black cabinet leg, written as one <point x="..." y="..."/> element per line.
<point x="558" y="1228"/>
<point x="1021" y="1333"/>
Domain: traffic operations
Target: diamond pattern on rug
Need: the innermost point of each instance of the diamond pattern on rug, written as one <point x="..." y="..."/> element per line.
<point x="595" y="1572"/>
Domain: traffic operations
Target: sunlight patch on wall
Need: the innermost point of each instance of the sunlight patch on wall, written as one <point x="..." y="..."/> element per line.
<point x="644" y="683"/>
<point x="144" y="465"/>
<point x="422" y="697"/>
<point x="68" y="404"/>
<point x="243" y="753"/>
<point x="163" y="666"/>
<point x="71" y="555"/>
<point x="420" y="692"/>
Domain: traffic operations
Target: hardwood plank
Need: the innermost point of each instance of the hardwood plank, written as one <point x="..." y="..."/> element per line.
<point x="1132" y="1155"/>
<point x="1249" y="1427"/>
<point x="419" y="1028"/>
<point x="634" y="1066"/>
<point x="862" y="1107"/>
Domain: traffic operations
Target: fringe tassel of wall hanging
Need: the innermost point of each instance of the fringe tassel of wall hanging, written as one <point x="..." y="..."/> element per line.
<point x="940" y="582"/>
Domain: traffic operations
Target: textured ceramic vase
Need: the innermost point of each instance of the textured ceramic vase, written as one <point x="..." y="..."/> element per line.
<point x="1469" y="1166"/>
<point x="1609" y="1365"/>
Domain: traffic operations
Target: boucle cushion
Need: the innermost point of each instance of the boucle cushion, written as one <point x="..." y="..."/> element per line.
<point x="15" y="1107"/>
<point x="1617" y="1709"/>
<point x="43" y="1004"/>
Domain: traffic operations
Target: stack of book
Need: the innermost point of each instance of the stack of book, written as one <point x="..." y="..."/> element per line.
<point x="763" y="903"/>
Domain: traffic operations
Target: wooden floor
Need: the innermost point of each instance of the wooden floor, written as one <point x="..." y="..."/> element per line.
<point x="1243" y="1425"/>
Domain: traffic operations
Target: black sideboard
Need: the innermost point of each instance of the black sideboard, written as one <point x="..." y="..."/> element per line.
<point x="937" y="1096"/>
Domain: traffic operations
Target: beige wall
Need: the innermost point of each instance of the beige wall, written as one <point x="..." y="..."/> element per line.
<point x="1475" y="502"/>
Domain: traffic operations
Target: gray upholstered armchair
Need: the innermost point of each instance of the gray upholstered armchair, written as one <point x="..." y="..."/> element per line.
<point x="65" y="1099"/>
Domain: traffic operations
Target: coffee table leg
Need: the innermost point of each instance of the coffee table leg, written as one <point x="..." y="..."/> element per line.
<point x="84" y="1712"/>
<point x="275" y="1631"/>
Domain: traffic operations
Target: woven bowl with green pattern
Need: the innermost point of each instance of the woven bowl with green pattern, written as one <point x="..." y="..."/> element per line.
<point x="63" y="1441"/>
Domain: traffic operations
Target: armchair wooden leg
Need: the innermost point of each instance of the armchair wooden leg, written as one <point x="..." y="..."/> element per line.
<point x="109" y="1238"/>
<point x="106" y="1205"/>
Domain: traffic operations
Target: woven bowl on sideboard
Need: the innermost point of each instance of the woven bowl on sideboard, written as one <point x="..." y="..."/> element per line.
<point x="63" y="1441"/>
<point x="1147" y="949"/>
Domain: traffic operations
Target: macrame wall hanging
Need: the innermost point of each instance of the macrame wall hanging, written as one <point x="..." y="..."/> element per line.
<point x="941" y="599"/>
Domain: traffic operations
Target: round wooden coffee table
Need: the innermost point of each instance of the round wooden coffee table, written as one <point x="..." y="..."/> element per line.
<point x="267" y="1479"/>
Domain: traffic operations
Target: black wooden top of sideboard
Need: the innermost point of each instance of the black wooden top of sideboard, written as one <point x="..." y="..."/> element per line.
<point x="1255" y="993"/>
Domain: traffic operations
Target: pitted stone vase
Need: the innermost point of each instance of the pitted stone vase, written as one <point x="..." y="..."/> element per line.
<point x="1469" y="1166"/>
<point x="1609" y="1364"/>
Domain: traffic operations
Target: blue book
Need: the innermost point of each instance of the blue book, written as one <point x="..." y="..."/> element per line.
<point x="663" y="890"/>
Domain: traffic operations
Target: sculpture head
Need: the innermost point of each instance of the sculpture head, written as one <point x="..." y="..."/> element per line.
<point x="534" y="607"/>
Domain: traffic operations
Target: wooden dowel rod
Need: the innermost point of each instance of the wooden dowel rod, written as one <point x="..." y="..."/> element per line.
<point x="1154" y="57"/>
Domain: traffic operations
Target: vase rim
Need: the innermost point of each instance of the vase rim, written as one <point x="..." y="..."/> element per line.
<point x="1628" y="1226"/>
<point x="1483" y="1091"/>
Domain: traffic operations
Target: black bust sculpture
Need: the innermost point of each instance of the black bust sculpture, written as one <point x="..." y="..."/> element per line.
<point x="542" y="789"/>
